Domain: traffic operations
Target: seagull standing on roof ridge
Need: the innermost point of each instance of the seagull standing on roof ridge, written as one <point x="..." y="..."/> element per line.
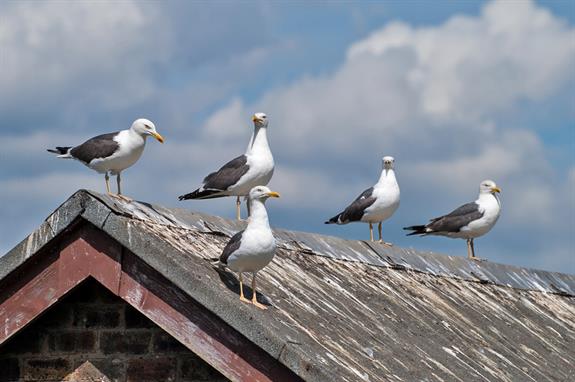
<point x="469" y="221"/>
<point x="252" y="249"/>
<point x="375" y="204"/>
<point x="241" y="174"/>
<point x="114" y="152"/>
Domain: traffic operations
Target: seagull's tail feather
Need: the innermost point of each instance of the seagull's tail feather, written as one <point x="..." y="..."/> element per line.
<point x="201" y="194"/>
<point x="417" y="230"/>
<point x="63" y="152"/>
<point x="334" y="220"/>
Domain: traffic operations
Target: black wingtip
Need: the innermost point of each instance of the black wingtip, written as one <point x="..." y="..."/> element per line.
<point x="204" y="194"/>
<point x="333" y="220"/>
<point x="59" y="150"/>
<point x="191" y="195"/>
<point x="417" y="230"/>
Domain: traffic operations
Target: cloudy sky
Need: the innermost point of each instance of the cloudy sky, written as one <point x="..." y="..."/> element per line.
<point x="456" y="91"/>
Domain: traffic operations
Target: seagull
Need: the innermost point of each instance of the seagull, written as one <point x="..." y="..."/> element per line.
<point x="252" y="249"/>
<point x="469" y="221"/>
<point x="114" y="152"/>
<point x="240" y="175"/>
<point x="375" y="204"/>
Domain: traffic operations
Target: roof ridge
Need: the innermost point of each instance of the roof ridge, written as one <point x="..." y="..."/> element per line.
<point x="80" y="204"/>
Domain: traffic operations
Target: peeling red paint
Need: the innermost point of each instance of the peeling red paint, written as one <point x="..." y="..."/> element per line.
<point x="88" y="252"/>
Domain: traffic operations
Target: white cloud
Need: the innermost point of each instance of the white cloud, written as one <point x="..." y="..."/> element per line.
<point x="434" y="98"/>
<point x="97" y="59"/>
<point x="307" y="189"/>
<point x="404" y="81"/>
<point x="49" y="186"/>
<point x="473" y="66"/>
<point x="48" y="48"/>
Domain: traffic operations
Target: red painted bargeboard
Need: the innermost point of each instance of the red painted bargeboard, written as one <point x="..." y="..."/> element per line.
<point x="86" y="252"/>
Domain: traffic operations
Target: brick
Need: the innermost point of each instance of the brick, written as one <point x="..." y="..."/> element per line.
<point x="91" y="291"/>
<point x="151" y="370"/>
<point x="29" y="342"/>
<point x="132" y="342"/>
<point x="87" y="292"/>
<point x="46" y="369"/>
<point x="164" y="343"/>
<point x="72" y="341"/>
<point x="59" y="316"/>
<point x="194" y="369"/>
<point x="97" y="316"/>
<point x="136" y="320"/>
<point x="9" y="369"/>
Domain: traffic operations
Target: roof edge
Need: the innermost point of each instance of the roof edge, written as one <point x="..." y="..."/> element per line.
<point x="97" y="208"/>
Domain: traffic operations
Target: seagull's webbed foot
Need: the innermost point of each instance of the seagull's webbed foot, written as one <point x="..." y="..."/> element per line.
<point x="257" y="304"/>
<point x="478" y="259"/>
<point x="121" y="197"/>
<point x="125" y="198"/>
<point x="255" y="294"/>
<point x="242" y="298"/>
<point x="385" y="243"/>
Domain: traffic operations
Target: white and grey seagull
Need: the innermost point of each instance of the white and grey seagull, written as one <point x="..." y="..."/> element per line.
<point x="252" y="249"/>
<point x="114" y="152"/>
<point x="375" y="204"/>
<point x="469" y="221"/>
<point x="241" y="174"/>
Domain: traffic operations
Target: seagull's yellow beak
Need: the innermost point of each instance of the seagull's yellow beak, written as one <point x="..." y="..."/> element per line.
<point x="495" y="189"/>
<point x="255" y="119"/>
<point x="273" y="194"/>
<point x="157" y="136"/>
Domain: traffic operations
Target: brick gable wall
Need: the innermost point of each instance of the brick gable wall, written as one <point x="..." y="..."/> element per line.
<point x="92" y="335"/>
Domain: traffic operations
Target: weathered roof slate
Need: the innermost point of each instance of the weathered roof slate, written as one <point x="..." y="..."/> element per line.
<point x="351" y="310"/>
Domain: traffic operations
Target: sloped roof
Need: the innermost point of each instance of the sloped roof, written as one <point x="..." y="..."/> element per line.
<point x="350" y="310"/>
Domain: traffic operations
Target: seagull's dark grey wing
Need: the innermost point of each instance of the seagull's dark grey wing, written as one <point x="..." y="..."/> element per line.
<point x="220" y="180"/>
<point x="101" y="146"/>
<point x="456" y="219"/>
<point x="228" y="175"/>
<point x="354" y="212"/>
<point x="232" y="246"/>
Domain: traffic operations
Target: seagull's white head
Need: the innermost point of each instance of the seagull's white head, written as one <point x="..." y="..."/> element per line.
<point x="388" y="162"/>
<point x="488" y="187"/>
<point x="262" y="193"/>
<point x="145" y="127"/>
<point x="260" y="120"/>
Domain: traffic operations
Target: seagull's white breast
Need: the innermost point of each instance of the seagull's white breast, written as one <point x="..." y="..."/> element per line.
<point x="131" y="147"/>
<point x="386" y="202"/>
<point x="256" y="250"/>
<point x="261" y="170"/>
<point x="491" y="208"/>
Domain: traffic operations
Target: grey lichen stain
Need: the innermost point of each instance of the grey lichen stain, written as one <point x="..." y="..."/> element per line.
<point x="488" y="332"/>
<point x="367" y="320"/>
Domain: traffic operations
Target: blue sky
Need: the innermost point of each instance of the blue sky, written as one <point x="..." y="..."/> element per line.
<point x="456" y="91"/>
